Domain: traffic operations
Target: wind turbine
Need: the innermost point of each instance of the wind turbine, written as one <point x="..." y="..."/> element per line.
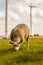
<point x="6" y="2"/>
<point x="32" y="6"/>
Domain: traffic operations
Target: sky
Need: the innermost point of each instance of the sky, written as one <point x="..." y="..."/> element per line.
<point x="19" y="12"/>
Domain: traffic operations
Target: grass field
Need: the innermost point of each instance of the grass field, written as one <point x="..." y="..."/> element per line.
<point x="25" y="56"/>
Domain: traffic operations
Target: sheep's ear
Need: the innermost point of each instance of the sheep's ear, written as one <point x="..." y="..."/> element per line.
<point x="11" y="42"/>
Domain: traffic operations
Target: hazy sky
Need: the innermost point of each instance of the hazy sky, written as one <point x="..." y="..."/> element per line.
<point x="19" y="12"/>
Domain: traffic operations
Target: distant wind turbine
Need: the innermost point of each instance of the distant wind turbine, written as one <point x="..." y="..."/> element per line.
<point x="6" y="18"/>
<point x="32" y="6"/>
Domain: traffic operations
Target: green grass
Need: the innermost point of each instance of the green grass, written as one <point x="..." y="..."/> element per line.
<point x="25" y="56"/>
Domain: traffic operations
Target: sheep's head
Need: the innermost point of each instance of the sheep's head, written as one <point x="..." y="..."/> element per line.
<point x="16" y="43"/>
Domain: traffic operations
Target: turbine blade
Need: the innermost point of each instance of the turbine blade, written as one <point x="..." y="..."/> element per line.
<point x="33" y="6"/>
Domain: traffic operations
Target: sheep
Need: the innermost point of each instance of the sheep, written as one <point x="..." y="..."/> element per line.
<point x="18" y="34"/>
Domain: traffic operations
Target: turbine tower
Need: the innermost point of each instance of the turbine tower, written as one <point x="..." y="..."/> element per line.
<point x="31" y="6"/>
<point x="30" y="18"/>
<point x="6" y="18"/>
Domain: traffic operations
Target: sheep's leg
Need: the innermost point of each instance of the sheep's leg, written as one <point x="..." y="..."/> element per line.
<point x="28" y="41"/>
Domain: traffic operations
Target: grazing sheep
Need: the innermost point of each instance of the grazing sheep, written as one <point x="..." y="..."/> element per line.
<point x="18" y="34"/>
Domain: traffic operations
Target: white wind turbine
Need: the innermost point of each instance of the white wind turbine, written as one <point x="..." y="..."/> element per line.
<point x="32" y="6"/>
<point x="6" y="6"/>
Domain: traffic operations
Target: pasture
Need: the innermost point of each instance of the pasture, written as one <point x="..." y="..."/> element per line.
<point x="25" y="56"/>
